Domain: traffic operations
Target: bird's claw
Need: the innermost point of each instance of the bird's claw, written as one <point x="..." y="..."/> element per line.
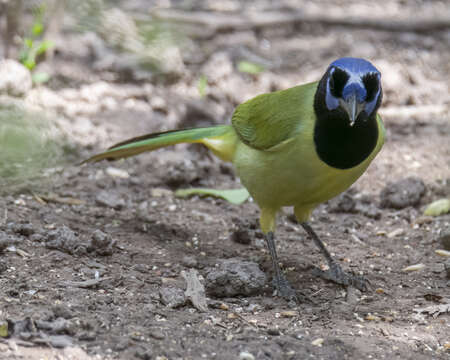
<point x="284" y="289"/>
<point x="339" y="276"/>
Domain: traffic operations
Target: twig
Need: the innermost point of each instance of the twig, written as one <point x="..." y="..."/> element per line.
<point x="43" y="199"/>
<point x="214" y="22"/>
<point x="85" y="284"/>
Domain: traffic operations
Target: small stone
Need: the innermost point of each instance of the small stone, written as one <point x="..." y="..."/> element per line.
<point x="447" y="268"/>
<point x="15" y="79"/>
<point x="369" y="210"/>
<point x="37" y="237"/>
<point x="289" y="313"/>
<point x="444" y="238"/>
<point x="241" y="236"/>
<point x="245" y="355"/>
<point x="117" y="173"/>
<point x="172" y="297"/>
<point x="343" y="203"/>
<point x="438" y="268"/>
<point x="87" y="336"/>
<point x="65" y="240"/>
<point x="110" y="199"/>
<point x="234" y="277"/>
<point x="3" y="267"/>
<point x="189" y="261"/>
<point x="62" y="311"/>
<point x="101" y="243"/>
<point x="443" y="253"/>
<point x="396" y="232"/>
<point x="273" y="332"/>
<point x="317" y="342"/>
<point x="403" y="193"/>
<point x="371" y="317"/>
<point x="5" y="241"/>
<point x="157" y="334"/>
<point x="122" y="344"/>
<point x="22" y="229"/>
<point x="142" y="268"/>
<point x="160" y="192"/>
<point x="144" y="353"/>
<point x="415" y="267"/>
<point x="423" y="220"/>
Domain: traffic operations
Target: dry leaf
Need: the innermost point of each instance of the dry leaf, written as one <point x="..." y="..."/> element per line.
<point x="435" y="310"/>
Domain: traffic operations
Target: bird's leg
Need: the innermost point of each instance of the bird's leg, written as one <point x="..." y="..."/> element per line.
<point x="335" y="273"/>
<point x="282" y="286"/>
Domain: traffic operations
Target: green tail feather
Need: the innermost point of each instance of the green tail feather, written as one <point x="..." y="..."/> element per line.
<point x="155" y="141"/>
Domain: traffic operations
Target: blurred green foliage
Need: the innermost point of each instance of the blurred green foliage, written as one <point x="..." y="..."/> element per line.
<point x="29" y="149"/>
<point x="34" y="46"/>
<point x="202" y="85"/>
<point x="248" y="67"/>
<point x="438" y="207"/>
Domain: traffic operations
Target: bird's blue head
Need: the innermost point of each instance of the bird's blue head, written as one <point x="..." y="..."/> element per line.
<point x="354" y="85"/>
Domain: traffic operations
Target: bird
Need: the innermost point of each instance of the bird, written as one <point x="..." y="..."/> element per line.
<point x="296" y="147"/>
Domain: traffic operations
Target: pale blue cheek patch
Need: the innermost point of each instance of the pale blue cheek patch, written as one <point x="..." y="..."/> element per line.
<point x="370" y="106"/>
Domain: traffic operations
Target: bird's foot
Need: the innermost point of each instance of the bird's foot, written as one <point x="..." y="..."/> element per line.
<point x="339" y="276"/>
<point x="284" y="289"/>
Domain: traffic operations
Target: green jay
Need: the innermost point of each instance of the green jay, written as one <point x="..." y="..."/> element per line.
<point x="296" y="147"/>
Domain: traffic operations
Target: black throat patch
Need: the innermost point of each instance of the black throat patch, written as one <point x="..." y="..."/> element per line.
<point x="338" y="144"/>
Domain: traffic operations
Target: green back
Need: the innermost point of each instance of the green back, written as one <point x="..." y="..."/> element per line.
<point x="269" y="119"/>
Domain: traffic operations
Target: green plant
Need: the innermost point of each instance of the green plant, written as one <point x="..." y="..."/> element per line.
<point x="202" y="85"/>
<point x="248" y="67"/>
<point x="34" y="46"/>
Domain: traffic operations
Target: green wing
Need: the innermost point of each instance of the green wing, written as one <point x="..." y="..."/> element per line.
<point x="271" y="119"/>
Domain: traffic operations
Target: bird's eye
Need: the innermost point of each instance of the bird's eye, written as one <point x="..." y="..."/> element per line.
<point x="371" y="83"/>
<point x="338" y="80"/>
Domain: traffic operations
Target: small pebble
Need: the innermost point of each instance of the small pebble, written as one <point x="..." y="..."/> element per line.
<point x="403" y="193"/>
<point x="160" y="192"/>
<point x="289" y="313"/>
<point x="157" y="334"/>
<point x="117" y="173"/>
<point x="172" y="297"/>
<point x="396" y="232"/>
<point x="317" y="342"/>
<point x="371" y="317"/>
<point x="244" y="355"/>
<point x="273" y="332"/>
<point x="241" y="236"/>
<point x="232" y="277"/>
<point x="415" y="267"/>
<point x="438" y="268"/>
<point x="447" y="268"/>
<point x="444" y="253"/>
<point x="189" y="261"/>
<point x="110" y="199"/>
<point x="444" y="239"/>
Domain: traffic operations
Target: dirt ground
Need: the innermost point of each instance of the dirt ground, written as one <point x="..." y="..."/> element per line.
<point x="91" y="261"/>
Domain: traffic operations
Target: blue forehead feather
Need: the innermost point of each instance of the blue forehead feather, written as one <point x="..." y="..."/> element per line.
<point x="356" y="69"/>
<point x="355" y="66"/>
